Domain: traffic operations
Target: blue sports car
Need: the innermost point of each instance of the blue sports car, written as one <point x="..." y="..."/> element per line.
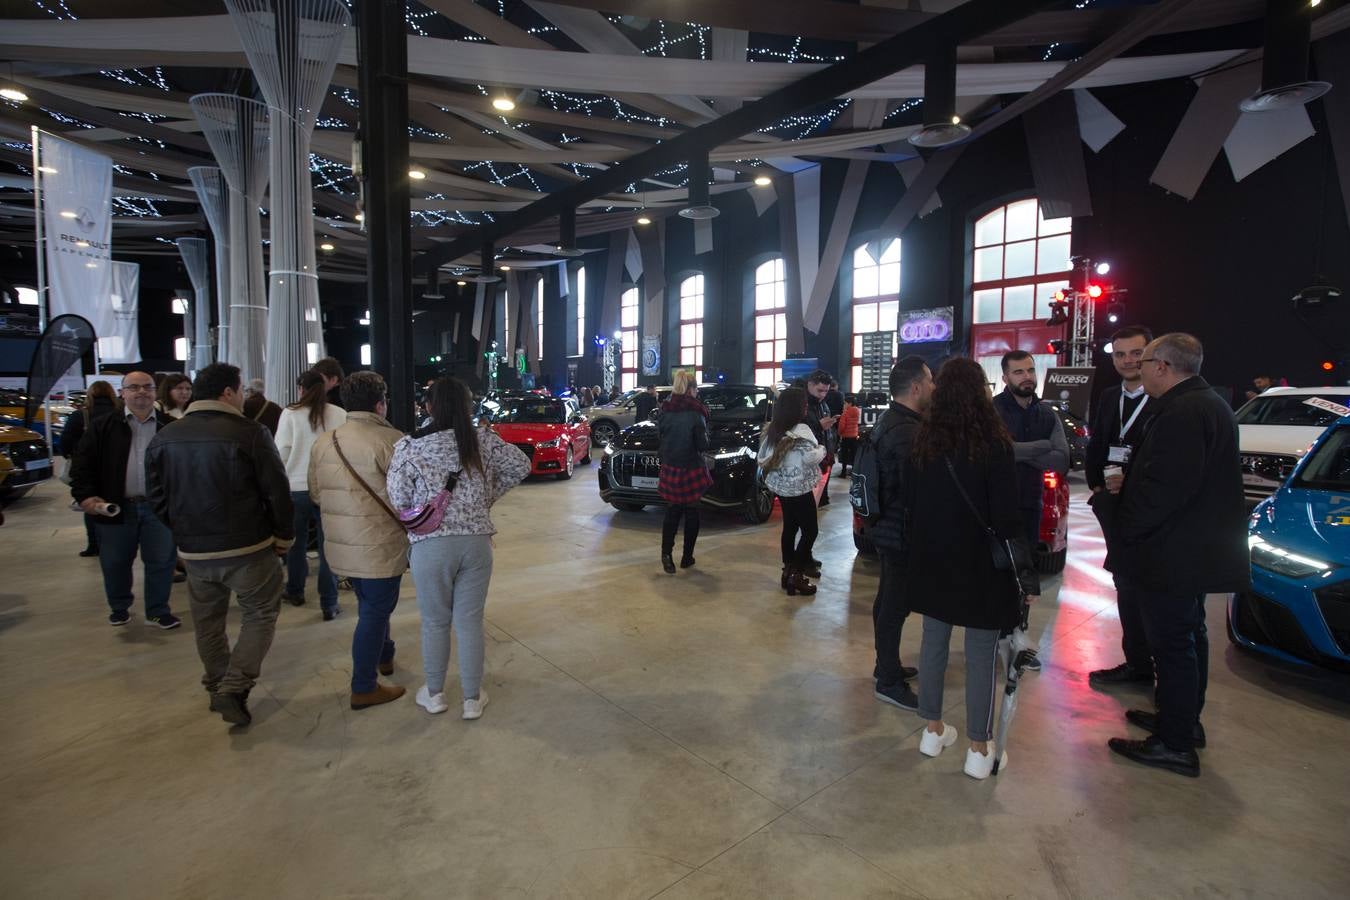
<point x="1298" y="609"/>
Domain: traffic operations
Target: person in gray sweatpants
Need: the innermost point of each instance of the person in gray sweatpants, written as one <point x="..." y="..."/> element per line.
<point x="981" y="657"/>
<point x="452" y="561"/>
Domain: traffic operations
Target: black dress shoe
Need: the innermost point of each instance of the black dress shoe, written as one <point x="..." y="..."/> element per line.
<point x="686" y="562"/>
<point x="1119" y="675"/>
<point x="906" y="672"/>
<point x="1153" y="752"/>
<point x="1149" y="722"/>
<point x="668" y="563"/>
<point x="233" y="708"/>
<point x="89" y="551"/>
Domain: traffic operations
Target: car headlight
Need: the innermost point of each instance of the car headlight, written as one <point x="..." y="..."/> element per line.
<point x="1284" y="562"/>
<point x="552" y="443"/>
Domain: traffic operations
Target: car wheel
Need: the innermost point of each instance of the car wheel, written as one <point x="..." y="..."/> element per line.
<point x="758" y="507"/>
<point x="604" y="432"/>
<point x="629" y="507"/>
<point x="568" y="468"/>
<point x="1048" y="563"/>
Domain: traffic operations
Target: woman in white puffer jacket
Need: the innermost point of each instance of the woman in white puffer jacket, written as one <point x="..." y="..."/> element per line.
<point x="790" y="459"/>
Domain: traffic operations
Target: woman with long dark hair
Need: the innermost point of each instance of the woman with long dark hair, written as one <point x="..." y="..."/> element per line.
<point x="961" y="483"/>
<point x="790" y="459"/>
<point x="684" y="476"/>
<point x="452" y="565"/>
<point x="175" y="391"/>
<point x="300" y="423"/>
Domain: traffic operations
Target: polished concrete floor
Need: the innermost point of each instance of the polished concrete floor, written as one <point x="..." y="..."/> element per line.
<point x="701" y="735"/>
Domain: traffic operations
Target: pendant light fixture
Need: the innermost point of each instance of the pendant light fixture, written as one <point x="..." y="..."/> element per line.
<point x="699" y="205"/>
<point x="567" y="235"/>
<point x="1284" y="65"/>
<point x="941" y="125"/>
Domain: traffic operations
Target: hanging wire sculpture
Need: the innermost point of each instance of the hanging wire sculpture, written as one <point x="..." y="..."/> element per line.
<point x="197" y="324"/>
<point x="236" y="129"/>
<point x="214" y="195"/>
<point x="292" y="47"/>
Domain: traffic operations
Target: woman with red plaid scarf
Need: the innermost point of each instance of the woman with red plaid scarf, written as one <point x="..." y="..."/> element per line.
<point x="683" y="426"/>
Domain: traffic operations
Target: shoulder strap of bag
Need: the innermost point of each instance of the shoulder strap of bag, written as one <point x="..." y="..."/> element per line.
<point x="361" y="481"/>
<point x="966" y="497"/>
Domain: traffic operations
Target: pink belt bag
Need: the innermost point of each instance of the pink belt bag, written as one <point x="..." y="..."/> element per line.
<point x="418" y="520"/>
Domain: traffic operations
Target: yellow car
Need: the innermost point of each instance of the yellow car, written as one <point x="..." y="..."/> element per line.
<point x="25" y="453"/>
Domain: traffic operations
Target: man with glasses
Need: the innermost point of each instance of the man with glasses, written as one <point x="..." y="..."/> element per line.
<point x="1122" y="415"/>
<point x="109" y="471"/>
<point x="1180" y="533"/>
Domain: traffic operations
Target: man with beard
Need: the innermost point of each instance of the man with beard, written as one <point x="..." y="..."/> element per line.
<point x="1039" y="444"/>
<point x="822" y="419"/>
<point x="1122" y="416"/>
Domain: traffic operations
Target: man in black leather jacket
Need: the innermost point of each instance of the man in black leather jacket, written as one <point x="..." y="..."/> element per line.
<point x="911" y="386"/>
<point x="216" y="480"/>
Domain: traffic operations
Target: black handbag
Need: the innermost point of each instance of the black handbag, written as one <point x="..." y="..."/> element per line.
<point x="1001" y="550"/>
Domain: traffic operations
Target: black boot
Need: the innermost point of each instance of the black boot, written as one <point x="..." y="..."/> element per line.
<point x="668" y="563"/>
<point x="798" y="584"/>
<point x="91" y="550"/>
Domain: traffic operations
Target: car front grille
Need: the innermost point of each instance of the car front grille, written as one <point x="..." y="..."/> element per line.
<point x="527" y="449"/>
<point x="1334" y="604"/>
<point x="1264" y="472"/>
<point x="625" y="465"/>
<point x="1264" y="621"/>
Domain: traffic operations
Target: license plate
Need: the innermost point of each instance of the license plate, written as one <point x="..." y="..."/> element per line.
<point x="34" y="464"/>
<point x="645" y="481"/>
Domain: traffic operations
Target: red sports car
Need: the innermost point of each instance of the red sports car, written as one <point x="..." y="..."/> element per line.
<point x="551" y="431"/>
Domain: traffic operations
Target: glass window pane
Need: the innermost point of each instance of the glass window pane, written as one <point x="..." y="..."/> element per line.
<point x="698" y="334"/>
<point x="628" y="317"/>
<point x="763" y="328"/>
<point x="764" y="351"/>
<point x="865" y="282"/>
<point x="988" y="306"/>
<point x="890" y="280"/>
<point x="892" y="252"/>
<point x="688" y="335"/>
<point x="686" y="308"/>
<point x="1018" y="303"/>
<point x="778" y="269"/>
<point x="687" y="356"/>
<point x="1045" y="296"/>
<point x="989" y="263"/>
<point x="864" y="318"/>
<point x="862" y="258"/>
<point x="855" y="378"/>
<point x="989" y="230"/>
<point x="630" y="360"/>
<point x="1052" y="254"/>
<point x="1056" y="226"/>
<point x="890" y="314"/>
<point x="764" y="297"/>
<point x="1021" y="220"/>
<point x="1019" y="259"/>
<point x="764" y="273"/>
<point x="780" y="325"/>
<point x="779" y="350"/>
<point x="698" y="356"/>
<point x="698" y="307"/>
<point x="698" y="284"/>
<point x="857" y="346"/>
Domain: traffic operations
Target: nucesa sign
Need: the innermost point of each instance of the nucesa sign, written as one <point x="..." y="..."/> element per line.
<point x="926" y="326"/>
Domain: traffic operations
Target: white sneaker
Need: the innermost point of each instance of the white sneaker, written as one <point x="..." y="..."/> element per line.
<point x="932" y="744"/>
<point x="979" y="765"/>
<point x="473" y="709"/>
<point x="432" y="703"/>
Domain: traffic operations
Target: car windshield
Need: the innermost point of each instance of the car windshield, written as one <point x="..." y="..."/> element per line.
<point x="513" y="410"/>
<point x="1295" y="409"/>
<point x="736" y="404"/>
<point x="1328" y="469"/>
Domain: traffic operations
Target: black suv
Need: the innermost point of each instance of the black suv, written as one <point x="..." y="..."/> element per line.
<point x="632" y="463"/>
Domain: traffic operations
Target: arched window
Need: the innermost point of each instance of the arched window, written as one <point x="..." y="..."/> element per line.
<point x="629" y="305"/>
<point x="770" y="321"/>
<point x="581" y="311"/>
<point x="1020" y="260"/>
<point x="876" y="298"/>
<point x="691" y="324"/>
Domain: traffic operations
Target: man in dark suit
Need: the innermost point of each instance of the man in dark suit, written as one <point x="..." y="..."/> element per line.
<point x="1180" y="533"/>
<point x="1122" y="415"/>
<point x="645" y="404"/>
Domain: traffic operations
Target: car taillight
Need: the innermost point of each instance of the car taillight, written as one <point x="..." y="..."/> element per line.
<point x="1052" y="479"/>
<point x="1080" y="430"/>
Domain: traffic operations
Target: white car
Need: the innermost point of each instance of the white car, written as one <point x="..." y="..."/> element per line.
<point x="1276" y="428"/>
<point x="608" y="419"/>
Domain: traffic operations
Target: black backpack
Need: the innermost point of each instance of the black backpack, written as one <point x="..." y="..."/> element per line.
<point x="864" y="490"/>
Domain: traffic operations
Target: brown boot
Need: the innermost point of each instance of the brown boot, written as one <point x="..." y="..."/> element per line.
<point x="383" y="693"/>
<point x="798" y="584"/>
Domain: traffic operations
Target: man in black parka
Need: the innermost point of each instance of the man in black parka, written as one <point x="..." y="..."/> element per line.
<point x="1180" y="533"/>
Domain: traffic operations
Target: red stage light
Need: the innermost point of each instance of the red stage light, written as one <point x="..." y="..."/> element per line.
<point x="1094" y="291"/>
<point x="1328" y="365"/>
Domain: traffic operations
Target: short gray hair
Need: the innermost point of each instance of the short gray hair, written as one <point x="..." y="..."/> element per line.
<point x="254" y="386"/>
<point x="362" y="391"/>
<point x="1181" y="351"/>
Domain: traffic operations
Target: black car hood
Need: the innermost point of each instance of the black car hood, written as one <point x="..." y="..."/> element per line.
<point x="724" y="434"/>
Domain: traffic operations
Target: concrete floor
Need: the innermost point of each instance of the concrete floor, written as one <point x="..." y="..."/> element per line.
<point x="693" y="736"/>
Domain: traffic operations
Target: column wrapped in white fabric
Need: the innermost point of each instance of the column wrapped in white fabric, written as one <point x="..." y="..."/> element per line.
<point x="196" y="259"/>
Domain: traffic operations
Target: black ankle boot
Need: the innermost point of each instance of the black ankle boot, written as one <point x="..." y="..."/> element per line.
<point x="668" y="563"/>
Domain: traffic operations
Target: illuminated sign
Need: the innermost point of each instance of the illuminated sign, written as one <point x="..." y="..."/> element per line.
<point x="926" y="326"/>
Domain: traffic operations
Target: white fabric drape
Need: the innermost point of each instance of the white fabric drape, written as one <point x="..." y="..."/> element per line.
<point x="197" y="327"/>
<point x="214" y="195"/>
<point x="77" y="231"/>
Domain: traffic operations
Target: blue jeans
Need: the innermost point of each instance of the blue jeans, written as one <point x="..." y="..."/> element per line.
<point x="375" y="602"/>
<point x="117" y="548"/>
<point x="297" y="563"/>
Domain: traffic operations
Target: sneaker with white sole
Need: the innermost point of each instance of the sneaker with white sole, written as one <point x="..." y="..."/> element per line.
<point x="473" y="708"/>
<point x="432" y="703"/>
<point x="979" y="765"/>
<point x="931" y="744"/>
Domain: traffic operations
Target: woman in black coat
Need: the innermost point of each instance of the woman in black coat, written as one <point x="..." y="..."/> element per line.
<point x="950" y="577"/>
<point x="683" y="426"/>
<point x="98" y="402"/>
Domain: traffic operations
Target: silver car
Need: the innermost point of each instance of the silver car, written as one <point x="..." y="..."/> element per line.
<point x="608" y="419"/>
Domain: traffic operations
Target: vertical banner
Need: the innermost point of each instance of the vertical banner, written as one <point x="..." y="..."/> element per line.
<point x="123" y="343"/>
<point x="76" y="189"/>
<point x="1072" y="388"/>
<point x="65" y="340"/>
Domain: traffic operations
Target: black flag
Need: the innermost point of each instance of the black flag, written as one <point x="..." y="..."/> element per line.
<point x="66" y="339"/>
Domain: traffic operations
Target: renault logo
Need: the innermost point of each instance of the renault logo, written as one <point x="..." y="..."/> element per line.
<point x="85" y="219"/>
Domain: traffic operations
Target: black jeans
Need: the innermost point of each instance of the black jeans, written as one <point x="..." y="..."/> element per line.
<point x="1133" y="639"/>
<point x="888" y="619"/>
<point x="1175" y="627"/>
<point x="672" y="524"/>
<point x="799" y="515"/>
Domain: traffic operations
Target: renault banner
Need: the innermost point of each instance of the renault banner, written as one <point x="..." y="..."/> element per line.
<point x="123" y="343"/>
<point x="77" y="220"/>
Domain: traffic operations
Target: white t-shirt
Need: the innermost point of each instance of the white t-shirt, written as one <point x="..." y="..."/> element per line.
<point x="295" y="439"/>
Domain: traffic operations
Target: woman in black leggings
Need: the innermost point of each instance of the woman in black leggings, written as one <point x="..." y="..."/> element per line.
<point x="790" y="459"/>
<point x="685" y="478"/>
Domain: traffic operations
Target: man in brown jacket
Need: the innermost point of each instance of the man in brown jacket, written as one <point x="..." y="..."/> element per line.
<point x="362" y="540"/>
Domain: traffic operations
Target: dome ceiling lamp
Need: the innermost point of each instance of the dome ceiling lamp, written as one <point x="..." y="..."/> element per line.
<point x="941" y="125"/>
<point x="1284" y="64"/>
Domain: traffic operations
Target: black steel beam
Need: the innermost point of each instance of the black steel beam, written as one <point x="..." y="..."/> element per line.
<point x="960" y="25"/>
<point x="382" y="44"/>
